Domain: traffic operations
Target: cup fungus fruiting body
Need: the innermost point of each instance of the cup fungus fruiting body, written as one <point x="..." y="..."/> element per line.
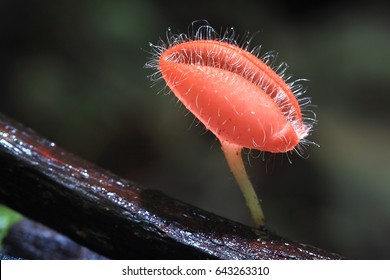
<point x="238" y="96"/>
<point x="234" y="94"/>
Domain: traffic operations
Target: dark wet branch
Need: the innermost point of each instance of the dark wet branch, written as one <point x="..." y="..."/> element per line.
<point x="28" y="239"/>
<point x="116" y="217"/>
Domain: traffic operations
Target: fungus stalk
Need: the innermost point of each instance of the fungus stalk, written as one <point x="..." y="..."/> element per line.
<point x="233" y="157"/>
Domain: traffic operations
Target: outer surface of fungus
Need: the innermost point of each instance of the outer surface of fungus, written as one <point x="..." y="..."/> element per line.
<point x="235" y="94"/>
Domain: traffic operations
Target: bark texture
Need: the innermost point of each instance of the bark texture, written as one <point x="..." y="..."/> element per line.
<point x="118" y="218"/>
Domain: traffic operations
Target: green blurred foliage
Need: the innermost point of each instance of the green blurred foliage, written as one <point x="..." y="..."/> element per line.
<point x="73" y="71"/>
<point x="8" y="217"/>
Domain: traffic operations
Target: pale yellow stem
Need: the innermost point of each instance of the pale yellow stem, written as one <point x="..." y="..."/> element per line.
<point x="233" y="156"/>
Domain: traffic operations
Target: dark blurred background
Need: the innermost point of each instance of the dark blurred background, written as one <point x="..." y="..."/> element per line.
<point x="73" y="71"/>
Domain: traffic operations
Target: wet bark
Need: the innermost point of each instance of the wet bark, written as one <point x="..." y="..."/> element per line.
<point x="28" y="239"/>
<point x="118" y="218"/>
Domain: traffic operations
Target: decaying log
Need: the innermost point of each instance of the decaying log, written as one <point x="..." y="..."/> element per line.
<point x="31" y="240"/>
<point x="116" y="217"/>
